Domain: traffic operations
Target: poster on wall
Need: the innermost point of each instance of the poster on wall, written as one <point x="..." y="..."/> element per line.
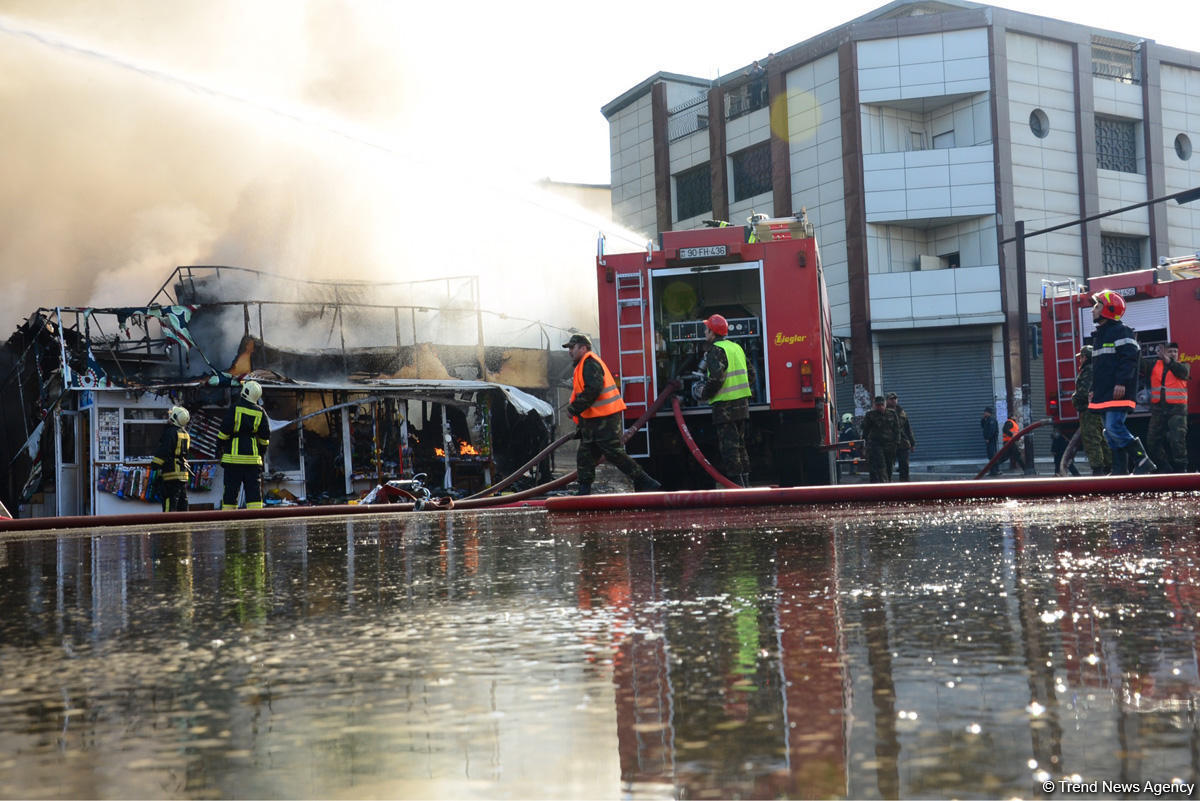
<point x="108" y="435"/>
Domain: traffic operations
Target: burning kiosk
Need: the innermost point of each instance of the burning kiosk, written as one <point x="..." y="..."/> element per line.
<point x="85" y="394"/>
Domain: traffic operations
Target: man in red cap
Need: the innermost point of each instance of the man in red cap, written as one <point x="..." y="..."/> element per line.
<point x="728" y="378"/>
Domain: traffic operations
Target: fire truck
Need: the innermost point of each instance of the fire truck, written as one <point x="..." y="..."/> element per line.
<point x="1162" y="305"/>
<point x="766" y="279"/>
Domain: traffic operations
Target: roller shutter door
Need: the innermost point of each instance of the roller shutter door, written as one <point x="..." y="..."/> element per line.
<point x="944" y="388"/>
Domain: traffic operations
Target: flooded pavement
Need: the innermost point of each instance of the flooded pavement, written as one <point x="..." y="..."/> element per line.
<point x="981" y="650"/>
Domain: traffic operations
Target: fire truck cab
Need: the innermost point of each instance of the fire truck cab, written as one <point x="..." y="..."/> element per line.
<point x="766" y="280"/>
<point x="1162" y="305"/>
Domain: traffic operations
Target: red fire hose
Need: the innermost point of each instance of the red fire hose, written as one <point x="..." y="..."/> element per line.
<point x="1003" y="452"/>
<point x="695" y="449"/>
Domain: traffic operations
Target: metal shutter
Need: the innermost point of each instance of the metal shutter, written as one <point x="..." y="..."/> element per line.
<point x="944" y="387"/>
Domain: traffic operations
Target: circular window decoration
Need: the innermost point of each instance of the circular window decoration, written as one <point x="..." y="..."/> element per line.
<point x="1039" y="123"/>
<point x="1183" y="147"/>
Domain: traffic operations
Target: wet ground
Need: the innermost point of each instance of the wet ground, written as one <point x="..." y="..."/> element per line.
<point x="986" y="650"/>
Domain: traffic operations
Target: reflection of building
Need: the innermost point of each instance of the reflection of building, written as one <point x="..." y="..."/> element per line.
<point x="358" y="391"/>
<point x="721" y="672"/>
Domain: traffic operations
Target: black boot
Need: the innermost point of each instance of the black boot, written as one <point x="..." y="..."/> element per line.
<point x="644" y="483"/>
<point x="1139" y="461"/>
<point x="584" y="489"/>
<point x="1120" y="462"/>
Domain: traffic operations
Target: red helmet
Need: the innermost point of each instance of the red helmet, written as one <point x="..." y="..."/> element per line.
<point x="718" y="325"/>
<point x="1112" y="305"/>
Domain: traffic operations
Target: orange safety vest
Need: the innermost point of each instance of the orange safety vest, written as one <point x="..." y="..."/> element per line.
<point x="1011" y="427"/>
<point x="1166" y="387"/>
<point x="608" y="401"/>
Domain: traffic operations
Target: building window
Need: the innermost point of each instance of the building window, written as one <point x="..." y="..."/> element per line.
<point x="952" y="260"/>
<point x="1116" y="59"/>
<point x="943" y="140"/>
<point x="1116" y="144"/>
<point x="1121" y="254"/>
<point x="1183" y="147"/>
<point x="1039" y="123"/>
<point x="693" y="192"/>
<point x="751" y="171"/>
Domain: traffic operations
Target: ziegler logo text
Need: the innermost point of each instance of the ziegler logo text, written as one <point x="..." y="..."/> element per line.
<point x="790" y="339"/>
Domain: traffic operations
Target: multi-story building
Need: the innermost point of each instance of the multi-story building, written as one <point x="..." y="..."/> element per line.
<point x="916" y="137"/>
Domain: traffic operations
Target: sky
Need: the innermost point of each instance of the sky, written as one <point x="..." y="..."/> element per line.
<point x="365" y="139"/>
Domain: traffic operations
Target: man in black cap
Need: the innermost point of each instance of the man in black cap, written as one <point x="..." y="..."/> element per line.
<point x="907" y="441"/>
<point x="597" y="408"/>
<point x="991" y="436"/>
<point x="881" y="430"/>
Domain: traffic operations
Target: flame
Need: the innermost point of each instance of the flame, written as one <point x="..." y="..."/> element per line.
<point x="467" y="449"/>
<point x="438" y="452"/>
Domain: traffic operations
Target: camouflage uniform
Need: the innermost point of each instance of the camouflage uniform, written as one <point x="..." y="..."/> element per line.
<point x="881" y="430"/>
<point x="1166" y="439"/>
<point x="729" y="417"/>
<point x="1091" y="424"/>
<point x="600" y="436"/>
<point x="907" y="441"/>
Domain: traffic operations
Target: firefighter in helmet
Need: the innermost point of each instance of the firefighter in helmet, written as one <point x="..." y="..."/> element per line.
<point x="1115" y="358"/>
<point x="171" y="459"/>
<point x="597" y="407"/>
<point x="728" y="377"/>
<point x="849" y="439"/>
<point x="244" y="437"/>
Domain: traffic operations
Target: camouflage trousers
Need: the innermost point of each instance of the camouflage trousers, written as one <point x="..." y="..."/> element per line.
<point x="880" y="459"/>
<point x="1094" y="445"/>
<point x="601" y="436"/>
<point x="731" y="441"/>
<point x="1166" y="440"/>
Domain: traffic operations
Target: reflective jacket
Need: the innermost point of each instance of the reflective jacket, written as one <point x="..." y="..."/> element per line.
<point x="737" y="379"/>
<point x="1115" y="357"/>
<point x="608" y="400"/>
<point x="172" y="453"/>
<point x="244" y="434"/>
<point x="1011" y="427"/>
<point x="1166" y="385"/>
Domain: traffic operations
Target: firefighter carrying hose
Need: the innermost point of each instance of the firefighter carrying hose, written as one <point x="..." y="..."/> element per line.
<point x="244" y="437"/>
<point x="596" y="406"/>
<point x="171" y="459"/>
<point x="1115" y="356"/>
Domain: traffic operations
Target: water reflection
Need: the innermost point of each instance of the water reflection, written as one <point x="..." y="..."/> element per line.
<point x="966" y="650"/>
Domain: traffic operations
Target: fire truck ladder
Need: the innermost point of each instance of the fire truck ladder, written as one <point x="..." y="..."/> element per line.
<point x="632" y="310"/>
<point x="1064" y="318"/>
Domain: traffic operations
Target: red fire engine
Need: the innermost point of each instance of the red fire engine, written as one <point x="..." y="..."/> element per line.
<point x="1162" y="305"/>
<point x="766" y="280"/>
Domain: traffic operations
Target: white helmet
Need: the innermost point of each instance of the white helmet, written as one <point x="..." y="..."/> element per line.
<point x="179" y="416"/>
<point x="251" y="391"/>
<point x="847" y="418"/>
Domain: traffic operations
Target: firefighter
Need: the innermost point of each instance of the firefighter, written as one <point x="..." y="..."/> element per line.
<point x="596" y="407"/>
<point x="1167" y="437"/>
<point x="171" y="459"/>
<point x="849" y="437"/>
<point x="244" y="437"/>
<point x="1007" y="432"/>
<point x="881" y="430"/>
<point x="907" y="442"/>
<point x="1091" y="424"/>
<point x="1115" y="357"/>
<point x="728" y="377"/>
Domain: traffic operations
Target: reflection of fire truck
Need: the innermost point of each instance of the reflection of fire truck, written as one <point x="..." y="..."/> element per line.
<point x="766" y="279"/>
<point x="1162" y="305"/>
